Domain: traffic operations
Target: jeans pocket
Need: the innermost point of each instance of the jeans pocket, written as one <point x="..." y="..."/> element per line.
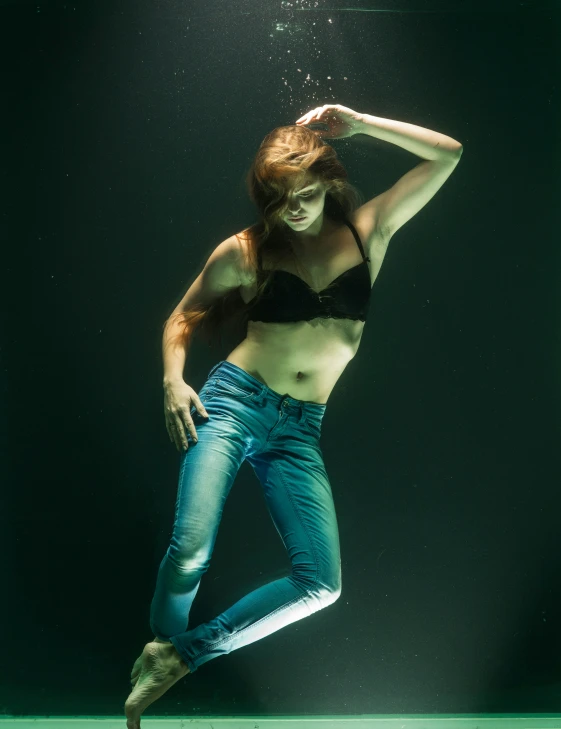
<point x="312" y="423"/>
<point x="232" y="389"/>
<point x="205" y="394"/>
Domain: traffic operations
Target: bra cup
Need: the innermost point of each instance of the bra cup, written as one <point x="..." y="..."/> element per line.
<point x="288" y="298"/>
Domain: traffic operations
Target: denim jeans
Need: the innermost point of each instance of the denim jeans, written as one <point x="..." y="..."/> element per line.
<point x="279" y="436"/>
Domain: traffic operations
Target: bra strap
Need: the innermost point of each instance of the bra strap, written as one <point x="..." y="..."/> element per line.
<point x="357" y="238"/>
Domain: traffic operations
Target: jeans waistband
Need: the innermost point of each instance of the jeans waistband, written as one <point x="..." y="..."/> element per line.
<point x="229" y="371"/>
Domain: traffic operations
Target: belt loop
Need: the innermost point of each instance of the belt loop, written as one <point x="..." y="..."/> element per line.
<point x="302" y="416"/>
<point x="213" y="370"/>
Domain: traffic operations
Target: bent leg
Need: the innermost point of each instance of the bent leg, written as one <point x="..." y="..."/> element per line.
<point x="299" y="499"/>
<point x="207" y="472"/>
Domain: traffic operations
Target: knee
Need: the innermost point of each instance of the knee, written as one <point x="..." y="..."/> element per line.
<point x="186" y="559"/>
<point x="325" y="594"/>
<point x="334" y="592"/>
<point x="334" y="583"/>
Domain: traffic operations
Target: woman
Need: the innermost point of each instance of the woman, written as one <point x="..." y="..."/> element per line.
<point x="302" y="278"/>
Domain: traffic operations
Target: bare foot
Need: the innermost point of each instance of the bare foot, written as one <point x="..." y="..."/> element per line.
<point x="160" y="667"/>
<point x="135" y="673"/>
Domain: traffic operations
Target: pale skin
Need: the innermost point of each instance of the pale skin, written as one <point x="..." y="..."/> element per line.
<point x="326" y="251"/>
<point x="305" y="359"/>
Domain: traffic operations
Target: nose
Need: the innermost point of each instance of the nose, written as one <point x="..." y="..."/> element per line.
<point x="294" y="215"/>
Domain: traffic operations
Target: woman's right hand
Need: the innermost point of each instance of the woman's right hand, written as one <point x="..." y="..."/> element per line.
<point x="178" y="400"/>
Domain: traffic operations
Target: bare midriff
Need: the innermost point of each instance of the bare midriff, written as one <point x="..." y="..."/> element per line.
<point x="303" y="359"/>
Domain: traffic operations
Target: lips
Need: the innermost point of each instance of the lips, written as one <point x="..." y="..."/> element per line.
<point x="296" y="220"/>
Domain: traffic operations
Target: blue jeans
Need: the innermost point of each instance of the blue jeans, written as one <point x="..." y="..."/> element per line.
<point x="279" y="436"/>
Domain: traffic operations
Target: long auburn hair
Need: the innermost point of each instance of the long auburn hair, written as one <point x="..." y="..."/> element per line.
<point x="282" y="161"/>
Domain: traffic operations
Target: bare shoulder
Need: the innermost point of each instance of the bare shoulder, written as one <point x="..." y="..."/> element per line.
<point x="239" y="246"/>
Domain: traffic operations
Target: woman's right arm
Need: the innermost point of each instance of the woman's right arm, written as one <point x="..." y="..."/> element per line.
<point x="222" y="273"/>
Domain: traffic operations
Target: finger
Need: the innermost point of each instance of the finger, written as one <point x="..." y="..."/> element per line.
<point x="181" y="438"/>
<point x="306" y="118"/>
<point x="171" y="429"/>
<point x="190" y="425"/>
<point x="175" y="437"/>
<point x="201" y="409"/>
<point x="322" y="110"/>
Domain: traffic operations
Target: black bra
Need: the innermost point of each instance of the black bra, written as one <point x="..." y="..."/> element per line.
<point x="288" y="298"/>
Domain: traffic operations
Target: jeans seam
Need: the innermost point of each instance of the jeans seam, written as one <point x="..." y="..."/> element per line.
<point x="309" y="428"/>
<point x="247" y="627"/>
<point x="291" y="602"/>
<point x="246" y="395"/>
<point x="295" y="507"/>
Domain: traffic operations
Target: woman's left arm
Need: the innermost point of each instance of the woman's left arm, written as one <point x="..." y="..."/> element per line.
<point x="387" y="212"/>
<point x="420" y="141"/>
<point x="344" y="122"/>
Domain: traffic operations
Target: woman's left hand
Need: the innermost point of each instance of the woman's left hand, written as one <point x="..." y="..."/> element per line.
<point x="342" y="121"/>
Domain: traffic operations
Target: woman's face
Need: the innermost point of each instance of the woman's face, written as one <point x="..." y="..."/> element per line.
<point x="307" y="203"/>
